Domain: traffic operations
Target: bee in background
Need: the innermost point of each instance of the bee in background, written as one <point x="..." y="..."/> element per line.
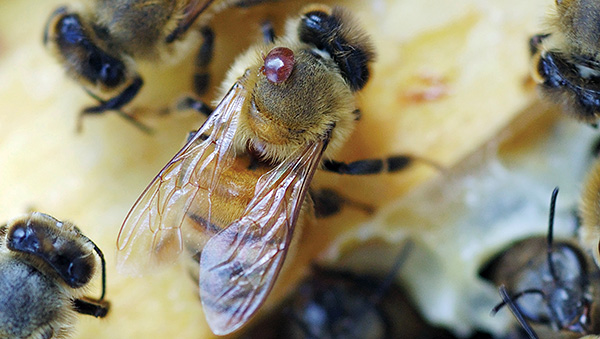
<point x="566" y="61"/>
<point x="333" y="303"/>
<point x="548" y="281"/>
<point x="238" y="190"/>
<point x="45" y="265"/>
<point x="98" y="47"/>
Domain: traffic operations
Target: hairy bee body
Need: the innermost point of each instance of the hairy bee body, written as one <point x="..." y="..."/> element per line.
<point x="236" y="193"/>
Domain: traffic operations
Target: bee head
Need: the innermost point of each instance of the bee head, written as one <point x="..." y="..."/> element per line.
<point x="41" y="237"/>
<point x="77" y="47"/>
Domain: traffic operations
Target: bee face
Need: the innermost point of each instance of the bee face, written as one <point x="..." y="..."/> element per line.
<point x="83" y="54"/>
<point x="290" y="103"/>
<point x="565" y="59"/>
<point x="550" y="278"/>
<point x="44" y="263"/>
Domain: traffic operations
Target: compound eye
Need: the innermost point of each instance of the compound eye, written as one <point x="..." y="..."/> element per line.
<point x="279" y="64"/>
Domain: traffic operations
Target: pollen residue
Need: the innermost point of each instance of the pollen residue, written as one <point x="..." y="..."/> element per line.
<point x="424" y="87"/>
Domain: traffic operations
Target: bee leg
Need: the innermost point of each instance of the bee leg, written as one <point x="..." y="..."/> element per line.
<point x="250" y="3"/>
<point x="195" y="104"/>
<point x="95" y="308"/>
<point x="328" y="202"/>
<point x="116" y="103"/>
<point x="375" y="166"/>
<point x="267" y="31"/>
<point x="203" y="60"/>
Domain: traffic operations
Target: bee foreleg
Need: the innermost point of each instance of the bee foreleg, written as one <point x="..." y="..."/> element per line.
<point x="117" y="102"/>
<point x="328" y="202"/>
<point x="195" y="104"/>
<point x="203" y="60"/>
<point x="95" y="308"/>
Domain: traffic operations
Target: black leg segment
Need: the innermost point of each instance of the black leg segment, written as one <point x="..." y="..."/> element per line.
<point x="329" y="202"/>
<point x="203" y="60"/>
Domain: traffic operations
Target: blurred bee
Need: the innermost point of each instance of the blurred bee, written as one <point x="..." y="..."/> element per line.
<point x="589" y="233"/>
<point x="548" y="281"/>
<point x="566" y="62"/>
<point x="98" y="46"/>
<point x="237" y="190"/>
<point x="334" y="303"/>
<point x="45" y="265"/>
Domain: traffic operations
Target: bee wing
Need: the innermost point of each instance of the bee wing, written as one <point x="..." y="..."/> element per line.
<point x="191" y="12"/>
<point x="239" y="265"/>
<point x="151" y="232"/>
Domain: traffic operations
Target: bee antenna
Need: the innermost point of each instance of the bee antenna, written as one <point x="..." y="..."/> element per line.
<point x="514" y="308"/>
<point x="103" y="264"/>
<point x="389" y="279"/>
<point x="515" y="297"/>
<point x="551" y="233"/>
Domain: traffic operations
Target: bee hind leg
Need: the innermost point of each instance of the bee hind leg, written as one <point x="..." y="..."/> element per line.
<point x="391" y="164"/>
<point x="328" y="202"/>
<point x="96" y="308"/>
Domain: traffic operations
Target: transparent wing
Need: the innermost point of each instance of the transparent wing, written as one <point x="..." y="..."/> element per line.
<point x="239" y="265"/>
<point x="152" y="231"/>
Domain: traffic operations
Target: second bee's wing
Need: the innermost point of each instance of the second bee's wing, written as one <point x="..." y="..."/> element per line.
<point x="151" y="233"/>
<point x="191" y="12"/>
<point x="240" y="264"/>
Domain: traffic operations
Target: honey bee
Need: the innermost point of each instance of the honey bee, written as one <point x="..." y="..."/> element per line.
<point x="45" y="264"/>
<point x="549" y="280"/>
<point x="565" y="59"/>
<point x="98" y="46"/>
<point x="238" y="190"/>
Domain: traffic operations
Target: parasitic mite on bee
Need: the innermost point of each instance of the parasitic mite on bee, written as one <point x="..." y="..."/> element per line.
<point x="45" y="267"/>
<point x="548" y="281"/>
<point x="99" y="45"/>
<point x="565" y="58"/>
<point x="237" y="194"/>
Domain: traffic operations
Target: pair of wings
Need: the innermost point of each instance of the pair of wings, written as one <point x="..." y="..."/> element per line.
<point x="240" y="263"/>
